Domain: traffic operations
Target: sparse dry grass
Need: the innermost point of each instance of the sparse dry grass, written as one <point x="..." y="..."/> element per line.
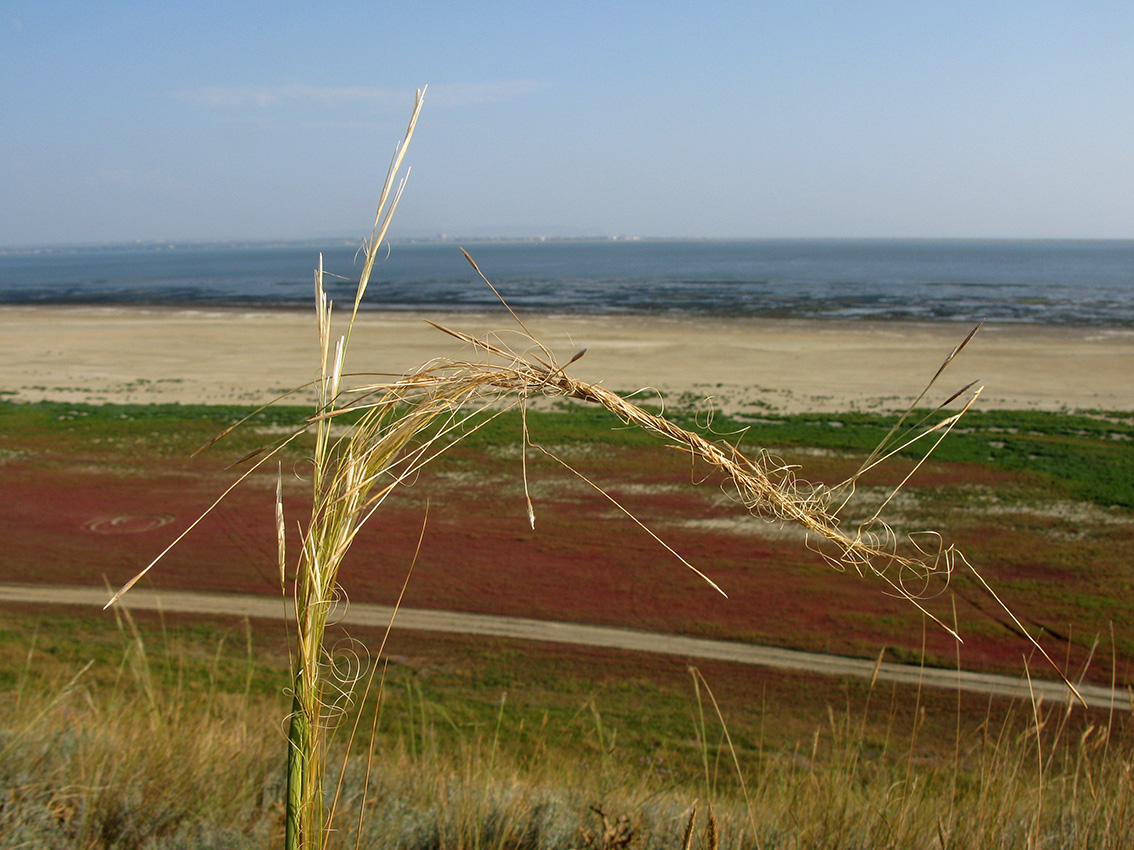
<point x="145" y="752"/>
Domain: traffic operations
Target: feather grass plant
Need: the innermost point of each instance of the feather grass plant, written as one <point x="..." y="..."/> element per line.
<point x="350" y="478"/>
<point x="395" y="427"/>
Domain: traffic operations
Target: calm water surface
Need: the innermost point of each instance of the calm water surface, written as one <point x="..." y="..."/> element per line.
<point x="1079" y="282"/>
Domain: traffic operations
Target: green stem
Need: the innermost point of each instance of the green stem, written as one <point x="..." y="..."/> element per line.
<point x="298" y="744"/>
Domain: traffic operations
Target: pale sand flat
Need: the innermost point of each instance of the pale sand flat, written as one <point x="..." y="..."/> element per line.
<point x="139" y="355"/>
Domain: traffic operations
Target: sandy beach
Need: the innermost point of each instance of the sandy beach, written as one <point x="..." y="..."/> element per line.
<point x="140" y="355"/>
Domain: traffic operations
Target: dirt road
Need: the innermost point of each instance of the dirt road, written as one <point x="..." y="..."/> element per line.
<point x="262" y="607"/>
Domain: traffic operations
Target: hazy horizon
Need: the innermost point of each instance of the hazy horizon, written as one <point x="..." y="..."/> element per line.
<point x="504" y="239"/>
<point x="129" y="122"/>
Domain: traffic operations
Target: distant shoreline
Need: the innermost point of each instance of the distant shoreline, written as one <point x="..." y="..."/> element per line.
<point x="317" y="244"/>
<point x="229" y="305"/>
<point x="247" y="356"/>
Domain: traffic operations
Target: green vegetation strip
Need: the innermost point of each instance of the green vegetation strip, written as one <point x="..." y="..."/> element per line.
<point x="1087" y="455"/>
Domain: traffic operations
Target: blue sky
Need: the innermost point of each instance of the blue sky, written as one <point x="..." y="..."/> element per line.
<point x="170" y="121"/>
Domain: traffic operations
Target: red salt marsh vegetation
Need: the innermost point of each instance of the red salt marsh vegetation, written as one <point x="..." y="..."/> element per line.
<point x="87" y="501"/>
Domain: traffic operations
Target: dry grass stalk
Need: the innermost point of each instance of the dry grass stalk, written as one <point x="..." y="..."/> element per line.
<point x="687" y="836"/>
<point x="349" y="481"/>
<point x="766" y="487"/>
<point x="405" y="423"/>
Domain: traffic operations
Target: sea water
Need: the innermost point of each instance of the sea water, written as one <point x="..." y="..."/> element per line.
<point x="1059" y="282"/>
